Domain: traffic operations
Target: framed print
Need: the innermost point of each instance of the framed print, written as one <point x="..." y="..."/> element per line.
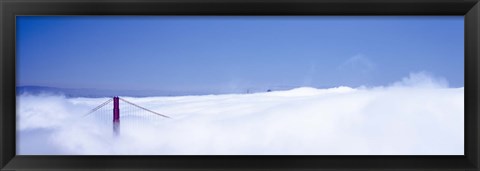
<point x="239" y="85"/>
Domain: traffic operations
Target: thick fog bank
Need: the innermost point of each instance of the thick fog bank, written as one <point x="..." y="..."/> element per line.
<point x="417" y="115"/>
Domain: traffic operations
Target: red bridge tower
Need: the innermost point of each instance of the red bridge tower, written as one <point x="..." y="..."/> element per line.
<point x="116" y="115"/>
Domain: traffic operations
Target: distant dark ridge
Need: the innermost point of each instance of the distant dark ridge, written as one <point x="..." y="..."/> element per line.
<point x="38" y="90"/>
<point x="94" y="93"/>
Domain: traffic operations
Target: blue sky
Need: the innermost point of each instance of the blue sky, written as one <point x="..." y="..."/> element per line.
<point x="233" y="54"/>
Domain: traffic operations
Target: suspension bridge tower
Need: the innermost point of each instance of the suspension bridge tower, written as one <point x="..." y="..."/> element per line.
<point x="116" y="111"/>
<point x="116" y="115"/>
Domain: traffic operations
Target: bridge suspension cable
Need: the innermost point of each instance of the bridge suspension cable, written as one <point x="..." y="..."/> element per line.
<point x="144" y="108"/>
<point x="98" y="107"/>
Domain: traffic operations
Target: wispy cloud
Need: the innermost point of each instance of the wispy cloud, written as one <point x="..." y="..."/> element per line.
<point x="356" y="70"/>
<point x="358" y="64"/>
<point x="309" y="76"/>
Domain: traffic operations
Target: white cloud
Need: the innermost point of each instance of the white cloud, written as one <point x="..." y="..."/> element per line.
<point x="413" y="119"/>
<point x="422" y="79"/>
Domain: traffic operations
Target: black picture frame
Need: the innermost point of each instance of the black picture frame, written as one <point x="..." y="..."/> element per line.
<point x="470" y="9"/>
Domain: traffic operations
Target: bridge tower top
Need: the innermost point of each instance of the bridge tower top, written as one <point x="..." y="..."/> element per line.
<point x="116" y="115"/>
<point x="116" y="111"/>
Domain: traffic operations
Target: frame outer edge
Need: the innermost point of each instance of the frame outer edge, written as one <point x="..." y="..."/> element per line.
<point x="476" y="55"/>
<point x="2" y="24"/>
<point x="7" y="84"/>
<point x="472" y="76"/>
<point x="477" y="24"/>
<point x="6" y="54"/>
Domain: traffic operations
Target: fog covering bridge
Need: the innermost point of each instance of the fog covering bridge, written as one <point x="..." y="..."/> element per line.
<point x="112" y="110"/>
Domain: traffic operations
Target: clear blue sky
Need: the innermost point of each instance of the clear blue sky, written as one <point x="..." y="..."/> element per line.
<point x="224" y="54"/>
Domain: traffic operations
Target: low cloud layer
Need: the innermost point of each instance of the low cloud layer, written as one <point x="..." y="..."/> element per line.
<point x="419" y="115"/>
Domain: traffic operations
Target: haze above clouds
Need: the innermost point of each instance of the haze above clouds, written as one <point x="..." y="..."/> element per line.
<point x="418" y="115"/>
